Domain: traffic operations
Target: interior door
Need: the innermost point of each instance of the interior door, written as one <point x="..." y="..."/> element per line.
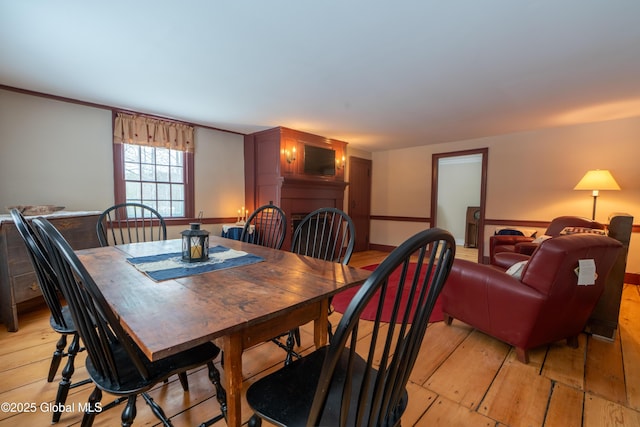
<point x="441" y="187"/>
<point x="360" y="200"/>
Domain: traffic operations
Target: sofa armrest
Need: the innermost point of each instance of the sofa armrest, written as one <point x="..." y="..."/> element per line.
<point x="504" y="243"/>
<point x="487" y="298"/>
<point x="526" y="248"/>
<point x="504" y="260"/>
<point x="508" y="239"/>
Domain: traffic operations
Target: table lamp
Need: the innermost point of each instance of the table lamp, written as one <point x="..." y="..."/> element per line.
<point x="596" y="180"/>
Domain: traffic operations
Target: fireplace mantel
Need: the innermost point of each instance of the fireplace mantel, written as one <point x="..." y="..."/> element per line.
<point x="269" y="176"/>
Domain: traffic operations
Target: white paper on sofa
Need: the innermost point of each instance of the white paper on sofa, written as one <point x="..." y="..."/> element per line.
<point x="586" y="272"/>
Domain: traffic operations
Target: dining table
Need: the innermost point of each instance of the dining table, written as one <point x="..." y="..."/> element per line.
<point x="236" y="307"/>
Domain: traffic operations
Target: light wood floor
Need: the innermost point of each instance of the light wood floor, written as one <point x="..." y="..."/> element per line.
<point x="462" y="378"/>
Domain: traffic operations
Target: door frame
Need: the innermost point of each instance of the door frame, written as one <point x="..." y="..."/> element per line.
<point x="435" y="160"/>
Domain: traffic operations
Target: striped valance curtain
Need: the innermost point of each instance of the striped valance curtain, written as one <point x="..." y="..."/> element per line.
<point x="141" y="130"/>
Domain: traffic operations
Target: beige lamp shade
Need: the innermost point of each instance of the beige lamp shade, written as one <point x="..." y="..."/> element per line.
<point x="595" y="181"/>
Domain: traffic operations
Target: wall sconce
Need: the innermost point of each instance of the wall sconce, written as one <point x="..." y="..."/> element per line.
<point x="340" y="163"/>
<point x="290" y="155"/>
<point x="596" y="180"/>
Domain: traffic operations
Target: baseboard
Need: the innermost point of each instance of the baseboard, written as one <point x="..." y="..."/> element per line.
<point x="632" y="278"/>
<point x="382" y="248"/>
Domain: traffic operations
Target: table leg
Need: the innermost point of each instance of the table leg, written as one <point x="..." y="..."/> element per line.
<point x="232" y="348"/>
<point x="320" y="325"/>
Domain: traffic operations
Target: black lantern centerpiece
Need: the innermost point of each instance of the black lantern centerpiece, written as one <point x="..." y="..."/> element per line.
<point x="195" y="244"/>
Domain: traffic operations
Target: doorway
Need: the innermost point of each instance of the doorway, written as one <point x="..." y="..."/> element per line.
<point x="462" y="174"/>
<point x="360" y="200"/>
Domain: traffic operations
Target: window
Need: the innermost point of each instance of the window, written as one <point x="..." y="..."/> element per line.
<point x="156" y="173"/>
<point x="155" y="177"/>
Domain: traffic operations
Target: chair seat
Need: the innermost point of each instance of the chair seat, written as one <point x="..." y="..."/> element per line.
<point x="68" y="327"/>
<point x="130" y="380"/>
<point x="361" y="379"/>
<point x="285" y="396"/>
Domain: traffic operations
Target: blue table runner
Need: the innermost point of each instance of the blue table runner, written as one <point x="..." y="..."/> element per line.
<point x="170" y="266"/>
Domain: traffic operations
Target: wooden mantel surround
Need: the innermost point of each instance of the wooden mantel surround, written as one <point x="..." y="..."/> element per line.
<point x="274" y="164"/>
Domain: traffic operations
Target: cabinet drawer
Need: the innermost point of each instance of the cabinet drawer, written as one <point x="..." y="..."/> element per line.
<point x="25" y="287"/>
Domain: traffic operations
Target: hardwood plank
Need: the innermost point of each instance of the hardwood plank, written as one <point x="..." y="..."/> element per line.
<point x="419" y="402"/>
<point x="34" y="330"/>
<point x="439" y="342"/>
<point x="37" y="353"/>
<point x="630" y="343"/>
<point x="537" y="356"/>
<point x="518" y="396"/>
<point x="26" y="374"/>
<point x="362" y="259"/>
<point x="604" y="372"/>
<point x="38" y="418"/>
<point x="173" y="399"/>
<point x="565" y="407"/>
<point x="445" y="412"/>
<point x="264" y="357"/>
<point x="600" y="412"/>
<point x="45" y="391"/>
<point x="566" y="364"/>
<point x="467" y="374"/>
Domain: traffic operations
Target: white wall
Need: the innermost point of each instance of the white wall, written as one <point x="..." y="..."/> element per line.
<point x="530" y="177"/>
<point x="219" y="165"/>
<point x="54" y="152"/>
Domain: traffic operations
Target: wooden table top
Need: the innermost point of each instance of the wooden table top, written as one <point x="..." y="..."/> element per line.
<point x="167" y="317"/>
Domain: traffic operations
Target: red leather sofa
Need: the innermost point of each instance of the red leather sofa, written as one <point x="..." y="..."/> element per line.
<point x="543" y="306"/>
<point x="501" y="247"/>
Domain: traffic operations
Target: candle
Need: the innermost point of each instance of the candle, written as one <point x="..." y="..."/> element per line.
<point x="196" y="252"/>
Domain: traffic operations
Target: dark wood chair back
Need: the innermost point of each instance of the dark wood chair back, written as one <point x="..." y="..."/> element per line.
<point x="326" y="233"/>
<point x="130" y="223"/>
<point x="61" y="320"/>
<point x="47" y="279"/>
<point x="115" y="363"/>
<point x="339" y="386"/>
<point x="97" y="324"/>
<point x="380" y="394"/>
<point x="266" y="226"/>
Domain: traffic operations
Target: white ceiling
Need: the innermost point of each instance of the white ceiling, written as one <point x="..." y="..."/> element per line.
<point x="377" y="74"/>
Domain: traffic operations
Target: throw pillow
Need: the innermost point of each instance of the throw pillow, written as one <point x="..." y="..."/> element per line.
<point x="516" y="269"/>
<point x="508" y="232"/>
<point x="574" y="230"/>
<point x="541" y="239"/>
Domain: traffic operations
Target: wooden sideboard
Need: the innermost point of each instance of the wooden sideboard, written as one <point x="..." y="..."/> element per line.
<point x="18" y="282"/>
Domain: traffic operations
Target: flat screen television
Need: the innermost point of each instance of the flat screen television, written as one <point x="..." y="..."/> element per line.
<point x="319" y="161"/>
